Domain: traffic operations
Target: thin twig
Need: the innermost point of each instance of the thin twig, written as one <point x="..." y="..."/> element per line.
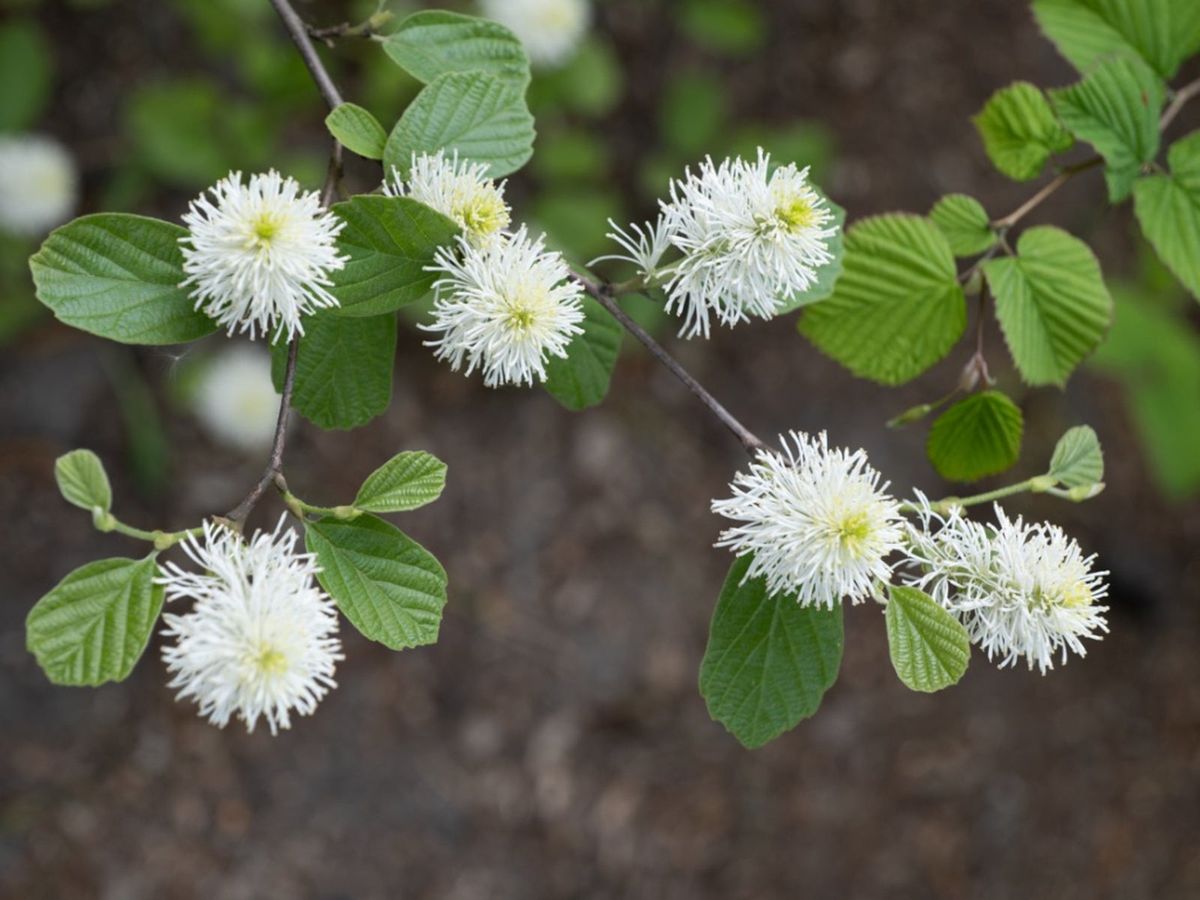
<point x="1003" y="224"/>
<point x="298" y="32"/>
<point x="1182" y="96"/>
<point x="602" y="293"/>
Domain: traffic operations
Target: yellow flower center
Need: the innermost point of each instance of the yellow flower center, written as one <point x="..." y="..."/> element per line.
<point x="484" y="215"/>
<point x="1076" y="595"/>
<point x="796" y="214"/>
<point x="265" y="228"/>
<point x="270" y="661"/>
<point x="520" y="318"/>
<point x="852" y="531"/>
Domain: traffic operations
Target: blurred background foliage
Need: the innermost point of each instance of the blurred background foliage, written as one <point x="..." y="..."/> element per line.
<point x="235" y="96"/>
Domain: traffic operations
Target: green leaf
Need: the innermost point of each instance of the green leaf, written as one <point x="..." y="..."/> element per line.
<point x="434" y="43"/>
<point x="390" y="587"/>
<point x="769" y="660"/>
<point x="25" y="74"/>
<point x="978" y="436"/>
<point x="1116" y="110"/>
<point x="343" y="369"/>
<point x="1168" y="209"/>
<point x="117" y="276"/>
<point x="1077" y="459"/>
<point x="406" y="481"/>
<point x="1020" y="131"/>
<point x="930" y="648"/>
<point x="389" y="242"/>
<point x="965" y="223"/>
<point x="82" y="480"/>
<point x="1051" y="302"/>
<point x="1162" y="32"/>
<point x="897" y="308"/>
<point x="733" y="27"/>
<point x="581" y="378"/>
<point x="829" y="273"/>
<point x="357" y="130"/>
<point x="95" y="624"/>
<point x="485" y="119"/>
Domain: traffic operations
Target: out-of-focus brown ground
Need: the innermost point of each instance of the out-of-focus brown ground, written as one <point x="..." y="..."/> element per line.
<point x="553" y="744"/>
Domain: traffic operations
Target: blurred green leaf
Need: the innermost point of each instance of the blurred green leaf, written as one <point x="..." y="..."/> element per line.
<point x="1020" y="131"/>
<point x="1168" y="209"/>
<point x="803" y="143"/>
<point x="569" y="155"/>
<point x="576" y="217"/>
<point x="975" y="437"/>
<point x="733" y="27"/>
<point x="692" y="112"/>
<point x="591" y="83"/>
<point x="25" y="74"/>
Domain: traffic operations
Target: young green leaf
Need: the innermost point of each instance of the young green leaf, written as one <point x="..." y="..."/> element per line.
<point x="1020" y="131"/>
<point x="390" y="588"/>
<point x="343" y="369"/>
<point x="432" y="43"/>
<point x="406" y="481"/>
<point x="976" y="437"/>
<point x="829" y="273"/>
<point x="1077" y="460"/>
<point x="82" y="480"/>
<point x="357" y="130"/>
<point x="1051" y="302"/>
<point x="769" y="661"/>
<point x="897" y="308"/>
<point x="1168" y="209"/>
<point x="95" y="624"/>
<point x="930" y="649"/>
<point x="581" y="378"/>
<point x="964" y="222"/>
<point x="118" y="276"/>
<point x="1162" y="32"/>
<point x="1116" y="110"/>
<point x="389" y="241"/>
<point x="484" y="119"/>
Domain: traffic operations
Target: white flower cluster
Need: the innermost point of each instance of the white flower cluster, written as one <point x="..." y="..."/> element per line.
<point x="458" y="189"/>
<point x="751" y="238"/>
<point x="258" y="255"/>
<point x="261" y="638"/>
<point x="38" y="184"/>
<point x="818" y="525"/>
<point x="550" y="30"/>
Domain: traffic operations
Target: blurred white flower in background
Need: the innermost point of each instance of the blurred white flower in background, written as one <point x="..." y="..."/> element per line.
<point x="751" y="239"/>
<point x="504" y="308"/>
<point x="459" y="189"/>
<point x="261" y="639"/>
<point x="235" y="399"/>
<point x="258" y="255"/>
<point x="39" y="184"/>
<point x="550" y="30"/>
<point x="816" y="520"/>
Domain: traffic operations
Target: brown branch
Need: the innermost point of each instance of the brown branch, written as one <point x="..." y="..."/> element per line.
<point x="1006" y="222"/>
<point x="1182" y="96"/>
<point x="602" y="293"/>
<point x="298" y="32"/>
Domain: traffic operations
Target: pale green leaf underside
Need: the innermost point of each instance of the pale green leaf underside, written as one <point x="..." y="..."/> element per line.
<point x="769" y="661"/>
<point x="1051" y="301"/>
<point x="389" y="587"/>
<point x="897" y="308"/>
<point x="95" y="624"/>
<point x="484" y="119"/>
<point x="964" y="222"/>
<point x="976" y="437"/>
<point x="1078" y="459"/>
<point x="390" y="242"/>
<point x="82" y="480"/>
<point x="930" y="649"/>
<point x="1162" y="32"/>
<point x="357" y="130"/>
<point x="117" y="276"/>
<point x="1020" y="131"/>
<point x="581" y="379"/>
<point x="433" y="43"/>
<point x="1116" y="110"/>
<point x="343" y="369"/>
<point x="1168" y="209"/>
<point x="406" y="481"/>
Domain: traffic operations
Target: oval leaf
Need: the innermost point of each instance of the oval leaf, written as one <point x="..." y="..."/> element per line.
<point x="930" y="649"/>
<point x="118" y="276"/>
<point x="965" y="224"/>
<point x="357" y="130"/>
<point x="769" y="660"/>
<point x="485" y="119"/>
<point x="389" y="242"/>
<point x="95" y="624"/>
<point x="581" y="379"/>
<point x="898" y="307"/>
<point x="404" y="482"/>
<point x="1077" y="460"/>
<point x="389" y="587"/>
<point x="978" y="436"/>
<point x="1168" y="209"/>
<point x="435" y="42"/>
<point x="82" y="480"/>
<point x="1051" y="301"/>
<point x="1020" y="131"/>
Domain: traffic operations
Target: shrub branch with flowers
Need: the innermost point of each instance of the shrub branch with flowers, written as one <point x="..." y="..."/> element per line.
<point x="811" y="525"/>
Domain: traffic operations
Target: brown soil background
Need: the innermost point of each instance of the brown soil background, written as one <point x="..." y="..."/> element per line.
<point x="553" y="744"/>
